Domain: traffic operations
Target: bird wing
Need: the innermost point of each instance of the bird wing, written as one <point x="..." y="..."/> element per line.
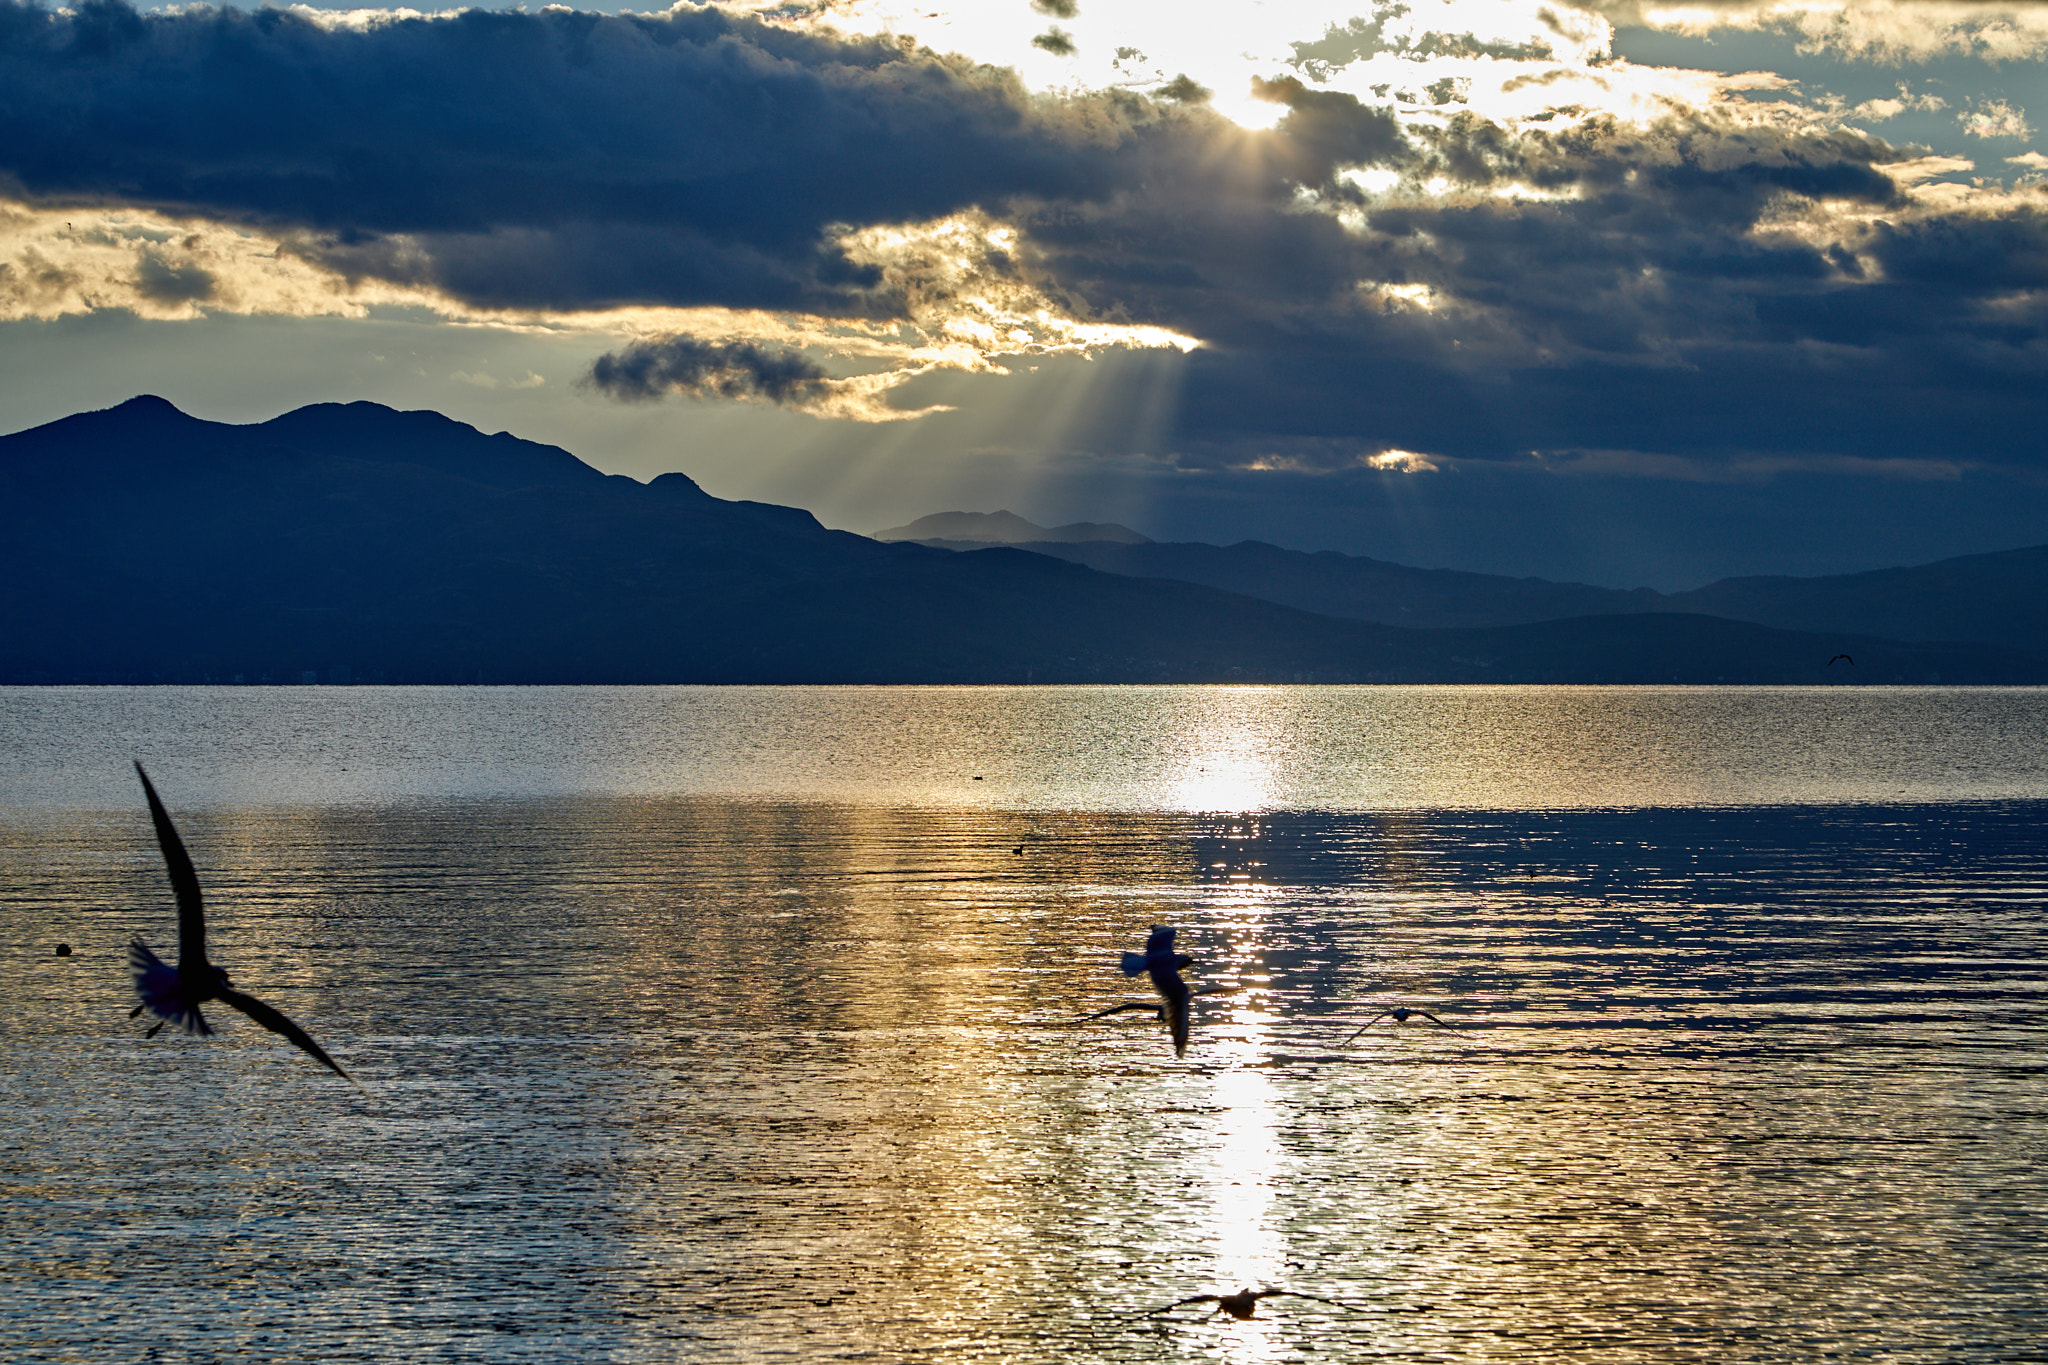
<point x="1432" y="1018"/>
<point x="1297" y="1294"/>
<point x="184" y="882"/>
<point x="1119" y="1009"/>
<point x="277" y="1023"/>
<point x="1179" y="1021"/>
<point x="1182" y="1303"/>
<point x="1368" y="1024"/>
<point x="1161" y="940"/>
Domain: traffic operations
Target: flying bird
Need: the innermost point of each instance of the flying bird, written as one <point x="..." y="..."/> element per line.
<point x="1164" y="966"/>
<point x="1838" y="658"/>
<point x="174" y="994"/>
<point x="1401" y="1015"/>
<point x="1245" y="1302"/>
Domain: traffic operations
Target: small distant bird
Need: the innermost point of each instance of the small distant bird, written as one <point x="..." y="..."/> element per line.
<point x="1401" y="1014"/>
<point x="1164" y="966"/>
<point x="63" y="950"/>
<point x="174" y="994"/>
<point x="1839" y="658"/>
<point x="1244" y="1302"/>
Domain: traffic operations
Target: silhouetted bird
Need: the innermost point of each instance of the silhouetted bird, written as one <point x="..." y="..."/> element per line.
<point x="1244" y="1302"/>
<point x="63" y="950"/>
<point x="1401" y="1015"/>
<point x="174" y="994"/>
<point x="1164" y="965"/>
<point x="1838" y="658"/>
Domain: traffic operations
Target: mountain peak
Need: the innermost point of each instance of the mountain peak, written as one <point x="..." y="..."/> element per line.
<point x="147" y="405"/>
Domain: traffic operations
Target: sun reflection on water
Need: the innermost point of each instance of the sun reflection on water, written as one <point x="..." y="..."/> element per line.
<point x="1249" y="1249"/>
<point x="1232" y="748"/>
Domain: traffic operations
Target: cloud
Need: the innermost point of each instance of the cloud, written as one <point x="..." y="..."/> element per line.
<point x="671" y="143"/>
<point x="1627" y="258"/>
<point x="656" y="367"/>
<point x="1055" y="40"/>
<point x="685" y="365"/>
<point x="1402" y="461"/>
<point x="1996" y="118"/>
<point x="1883" y="30"/>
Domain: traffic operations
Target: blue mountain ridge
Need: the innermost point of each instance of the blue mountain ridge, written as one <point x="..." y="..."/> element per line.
<point x="351" y="542"/>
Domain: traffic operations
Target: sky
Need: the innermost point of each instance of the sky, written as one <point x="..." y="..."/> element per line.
<point x="1629" y="293"/>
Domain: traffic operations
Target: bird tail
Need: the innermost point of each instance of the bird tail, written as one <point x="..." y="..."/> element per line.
<point x="1135" y="964"/>
<point x="159" y="988"/>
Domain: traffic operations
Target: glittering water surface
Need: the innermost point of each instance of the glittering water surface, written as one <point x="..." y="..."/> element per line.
<point x="739" y="1025"/>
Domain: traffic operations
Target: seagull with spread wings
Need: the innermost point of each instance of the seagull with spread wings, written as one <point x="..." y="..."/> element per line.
<point x="174" y="994"/>
<point x="1245" y="1302"/>
<point x="1163" y="965"/>
<point x="1400" y="1014"/>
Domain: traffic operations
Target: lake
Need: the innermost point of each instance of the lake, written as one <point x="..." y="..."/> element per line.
<point x="740" y="1024"/>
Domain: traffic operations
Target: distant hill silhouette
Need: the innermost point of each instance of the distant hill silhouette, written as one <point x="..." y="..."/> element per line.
<point x="1995" y="599"/>
<point x="1999" y="598"/>
<point x="979" y="530"/>
<point x="355" y="543"/>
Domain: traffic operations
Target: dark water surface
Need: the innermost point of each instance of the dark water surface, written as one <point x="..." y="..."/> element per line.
<point x="679" y="1047"/>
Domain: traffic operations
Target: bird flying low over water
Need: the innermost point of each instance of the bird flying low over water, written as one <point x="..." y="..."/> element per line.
<point x="1838" y="658"/>
<point x="1245" y="1302"/>
<point x="1164" y="966"/>
<point x="1400" y="1014"/>
<point x="174" y="994"/>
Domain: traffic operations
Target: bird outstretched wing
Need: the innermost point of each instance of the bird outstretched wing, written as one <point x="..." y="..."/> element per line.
<point x="1147" y="1005"/>
<point x="1368" y="1024"/>
<point x="277" y="1023"/>
<point x="184" y="882"/>
<point x="1297" y="1294"/>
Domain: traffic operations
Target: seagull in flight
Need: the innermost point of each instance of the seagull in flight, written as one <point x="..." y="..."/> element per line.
<point x="1164" y="966"/>
<point x="1245" y="1302"/>
<point x="1838" y="658"/>
<point x="1401" y="1015"/>
<point x="174" y="994"/>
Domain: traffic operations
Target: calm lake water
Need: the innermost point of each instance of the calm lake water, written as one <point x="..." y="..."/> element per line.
<point x="739" y="1024"/>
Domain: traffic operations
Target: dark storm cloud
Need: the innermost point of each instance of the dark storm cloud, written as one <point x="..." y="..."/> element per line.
<point x="702" y="369"/>
<point x="569" y="160"/>
<point x="170" y="282"/>
<point x="1707" y="284"/>
<point x="727" y="145"/>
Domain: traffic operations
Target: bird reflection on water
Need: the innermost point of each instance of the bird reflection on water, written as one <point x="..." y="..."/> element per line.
<point x="174" y="994"/>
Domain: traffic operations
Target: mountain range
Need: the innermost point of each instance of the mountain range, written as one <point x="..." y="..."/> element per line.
<point x="354" y="543"/>
<point x="1996" y="599"/>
